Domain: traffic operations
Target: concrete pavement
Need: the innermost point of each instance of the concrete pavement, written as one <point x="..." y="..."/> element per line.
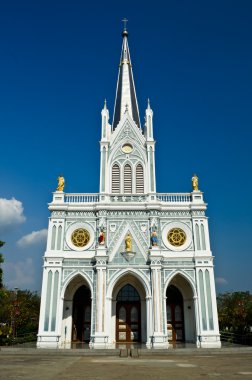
<point x="175" y="364"/>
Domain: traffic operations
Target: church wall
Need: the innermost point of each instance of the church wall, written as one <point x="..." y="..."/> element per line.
<point x="168" y="233"/>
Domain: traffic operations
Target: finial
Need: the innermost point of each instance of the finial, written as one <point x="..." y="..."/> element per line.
<point x="195" y="182"/>
<point x="125" y="32"/>
<point x="61" y="183"/>
<point x="105" y="104"/>
<point x="148" y="103"/>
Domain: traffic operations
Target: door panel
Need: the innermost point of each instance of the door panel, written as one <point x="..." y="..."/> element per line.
<point x="81" y="326"/>
<point x="128" y="322"/>
<point x="175" y="315"/>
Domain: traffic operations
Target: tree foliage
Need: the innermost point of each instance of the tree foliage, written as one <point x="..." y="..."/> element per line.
<point x="1" y="262"/>
<point x="19" y="311"/>
<point x="235" y="311"/>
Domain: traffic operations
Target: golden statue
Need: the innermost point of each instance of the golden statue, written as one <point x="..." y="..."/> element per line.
<point x="195" y="183"/>
<point x="61" y="183"/>
<point x="128" y="243"/>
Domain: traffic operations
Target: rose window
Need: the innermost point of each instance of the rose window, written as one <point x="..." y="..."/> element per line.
<point x="176" y="237"/>
<point x="80" y="237"/>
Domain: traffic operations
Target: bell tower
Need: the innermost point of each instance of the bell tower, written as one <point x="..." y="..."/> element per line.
<point x="127" y="165"/>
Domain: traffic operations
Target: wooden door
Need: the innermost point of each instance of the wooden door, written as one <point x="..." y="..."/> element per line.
<point x="128" y="322"/>
<point x="175" y="315"/>
<point x="81" y="327"/>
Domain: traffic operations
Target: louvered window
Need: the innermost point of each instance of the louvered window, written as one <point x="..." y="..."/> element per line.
<point x="115" y="179"/>
<point x="139" y="179"/>
<point x="127" y="179"/>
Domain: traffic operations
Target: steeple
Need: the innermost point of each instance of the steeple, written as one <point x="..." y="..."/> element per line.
<point x="125" y="91"/>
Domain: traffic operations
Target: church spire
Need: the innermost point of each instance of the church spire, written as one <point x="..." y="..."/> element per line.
<point x="125" y="91"/>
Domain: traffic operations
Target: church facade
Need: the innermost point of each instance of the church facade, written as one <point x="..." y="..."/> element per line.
<point x="128" y="265"/>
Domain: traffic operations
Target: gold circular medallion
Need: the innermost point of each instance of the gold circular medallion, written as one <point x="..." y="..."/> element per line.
<point x="127" y="148"/>
<point x="80" y="237"/>
<point x="176" y="237"/>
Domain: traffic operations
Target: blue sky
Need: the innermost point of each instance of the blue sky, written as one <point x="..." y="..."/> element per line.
<point x="59" y="61"/>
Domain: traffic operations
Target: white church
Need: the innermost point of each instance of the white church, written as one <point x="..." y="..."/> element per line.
<point x="128" y="265"/>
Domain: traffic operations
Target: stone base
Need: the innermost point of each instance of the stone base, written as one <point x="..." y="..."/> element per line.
<point x="48" y="342"/>
<point x="207" y="341"/>
<point x="99" y="341"/>
<point x="159" y="341"/>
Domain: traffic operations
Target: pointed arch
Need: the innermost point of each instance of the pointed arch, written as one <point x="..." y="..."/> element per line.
<point x="55" y="300"/>
<point x="115" y="179"/>
<point x="139" y="179"/>
<point x="209" y="300"/>
<point x="59" y="238"/>
<point x="203" y="237"/>
<point x="48" y="300"/>
<point x="202" y="300"/>
<point x="53" y="239"/>
<point x="197" y="237"/>
<point x="127" y="179"/>
<point x="121" y="275"/>
<point x="73" y="282"/>
<point x="184" y="276"/>
<point x="187" y="287"/>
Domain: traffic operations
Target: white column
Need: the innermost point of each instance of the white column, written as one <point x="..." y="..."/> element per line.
<point x="100" y="338"/>
<point x="196" y="311"/>
<point x="158" y="336"/>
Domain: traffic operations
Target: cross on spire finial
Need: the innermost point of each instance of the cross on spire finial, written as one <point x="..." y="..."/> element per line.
<point x="125" y="23"/>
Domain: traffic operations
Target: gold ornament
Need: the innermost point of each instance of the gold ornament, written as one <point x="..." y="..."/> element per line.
<point x="80" y="237"/>
<point x="176" y="237"/>
<point x="195" y="183"/>
<point x="61" y="183"/>
<point x="128" y="243"/>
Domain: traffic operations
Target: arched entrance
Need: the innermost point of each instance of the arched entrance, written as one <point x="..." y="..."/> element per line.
<point x="128" y="315"/>
<point x="175" y="315"/>
<point x="81" y="326"/>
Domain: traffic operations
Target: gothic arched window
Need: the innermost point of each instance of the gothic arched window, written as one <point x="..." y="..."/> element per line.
<point x="115" y="179"/>
<point x="139" y="179"/>
<point x="127" y="183"/>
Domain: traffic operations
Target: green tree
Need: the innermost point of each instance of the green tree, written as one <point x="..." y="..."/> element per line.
<point x="19" y="313"/>
<point x="235" y="311"/>
<point x="25" y="309"/>
<point x="1" y="262"/>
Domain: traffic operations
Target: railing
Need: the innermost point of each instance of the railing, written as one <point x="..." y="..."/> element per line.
<point x="81" y="198"/>
<point x="234" y="338"/>
<point x="161" y="197"/>
<point x="174" y="197"/>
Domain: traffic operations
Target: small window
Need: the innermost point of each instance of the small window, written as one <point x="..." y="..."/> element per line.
<point x="139" y="179"/>
<point x="127" y="179"/>
<point x="115" y="179"/>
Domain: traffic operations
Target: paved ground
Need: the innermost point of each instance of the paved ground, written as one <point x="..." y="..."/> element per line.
<point x="198" y="365"/>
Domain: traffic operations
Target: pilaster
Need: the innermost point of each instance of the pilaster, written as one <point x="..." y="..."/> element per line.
<point x="159" y="339"/>
<point x="100" y="338"/>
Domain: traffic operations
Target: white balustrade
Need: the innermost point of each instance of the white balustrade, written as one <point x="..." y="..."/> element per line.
<point x="161" y="197"/>
<point x="81" y="198"/>
<point x="174" y="197"/>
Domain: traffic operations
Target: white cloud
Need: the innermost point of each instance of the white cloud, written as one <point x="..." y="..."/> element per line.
<point x="221" y="281"/>
<point x="20" y="274"/>
<point x="11" y="213"/>
<point x="34" y="237"/>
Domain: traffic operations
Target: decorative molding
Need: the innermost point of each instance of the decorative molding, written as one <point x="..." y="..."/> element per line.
<point x="173" y="213"/>
<point x="127" y="213"/>
<point x="191" y="273"/>
<point x="58" y="213"/>
<point x="81" y="213"/>
<point x="198" y="213"/>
